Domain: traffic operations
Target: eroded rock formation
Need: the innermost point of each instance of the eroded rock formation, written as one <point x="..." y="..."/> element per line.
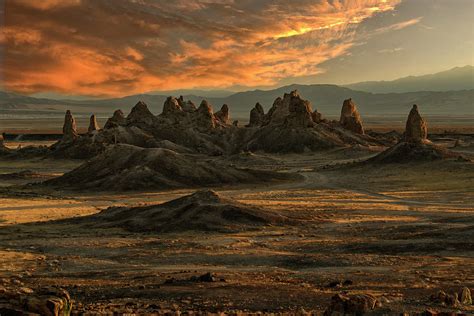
<point x="300" y="112"/>
<point x="69" y="128"/>
<point x="118" y="119"/>
<point x="416" y="129"/>
<point x="140" y="114"/>
<point x="223" y="115"/>
<point x="93" y="125"/>
<point x="257" y="116"/>
<point x="350" y="117"/>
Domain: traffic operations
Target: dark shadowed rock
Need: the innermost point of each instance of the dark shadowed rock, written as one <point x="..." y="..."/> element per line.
<point x="203" y="210"/>
<point x="416" y="129"/>
<point x="117" y="119"/>
<point x="126" y="167"/>
<point x="350" y="117"/>
<point x="93" y="125"/>
<point x="187" y="106"/>
<point x="69" y="128"/>
<point x="223" y="115"/>
<point x="316" y="116"/>
<point x="257" y="116"/>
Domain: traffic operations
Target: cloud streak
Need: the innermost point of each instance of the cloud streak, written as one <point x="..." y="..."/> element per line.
<point x="112" y="48"/>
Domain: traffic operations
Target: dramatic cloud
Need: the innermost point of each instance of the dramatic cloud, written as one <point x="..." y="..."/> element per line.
<point x="105" y="47"/>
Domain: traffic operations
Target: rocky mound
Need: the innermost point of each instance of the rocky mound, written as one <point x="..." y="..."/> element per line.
<point x="292" y="126"/>
<point x="202" y="211"/>
<point x="415" y="146"/>
<point x="405" y="152"/>
<point x="126" y="167"/>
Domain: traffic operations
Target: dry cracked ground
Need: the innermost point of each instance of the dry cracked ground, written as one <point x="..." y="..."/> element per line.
<point x="399" y="232"/>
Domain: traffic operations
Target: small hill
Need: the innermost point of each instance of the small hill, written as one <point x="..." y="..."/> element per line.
<point x="204" y="210"/>
<point x="127" y="168"/>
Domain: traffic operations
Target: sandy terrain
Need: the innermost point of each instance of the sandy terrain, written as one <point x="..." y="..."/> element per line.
<point x="400" y="232"/>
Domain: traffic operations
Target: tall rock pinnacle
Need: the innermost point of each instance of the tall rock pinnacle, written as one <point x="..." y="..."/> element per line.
<point x="416" y="129"/>
<point x="350" y="117"/>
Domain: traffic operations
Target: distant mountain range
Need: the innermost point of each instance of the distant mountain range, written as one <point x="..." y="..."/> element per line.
<point x="327" y="99"/>
<point x="459" y="78"/>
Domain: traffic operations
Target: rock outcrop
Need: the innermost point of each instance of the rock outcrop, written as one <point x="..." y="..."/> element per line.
<point x="203" y="210"/>
<point x="223" y="115"/>
<point x="416" y="129"/>
<point x="93" y="125"/>
<point x="257" y="116"/>
<point x="140" y="115"/>
<point x="280" y="109"/>
<point x="204" y="116"/>
<point x="300" y="112"/>
<point x="118" y="119"/>
<point x="69" y="128"/>
<point x="126" y="167"/>
<point x="350" y="117"/>
<point x="317" y="117"/>
<point x="172" y="106"/>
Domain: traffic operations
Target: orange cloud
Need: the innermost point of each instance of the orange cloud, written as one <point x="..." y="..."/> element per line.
<point x="94" y="47"/>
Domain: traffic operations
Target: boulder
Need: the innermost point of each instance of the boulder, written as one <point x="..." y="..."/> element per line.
<point x="350" y="117"/>
<point x="118" y="119"/>
<point x="69" y="128"/>
<point x="416" y="129"/>
<point x="223" y="115"/>
<point x="93" y="125"/>
<point x="48" y="301"/>
<point x="465" y="296"/>
<point x="359" y="304"/>
<point x="257" y="116"/>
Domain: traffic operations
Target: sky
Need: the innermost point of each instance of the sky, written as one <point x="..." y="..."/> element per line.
<point x="111" y="48"/>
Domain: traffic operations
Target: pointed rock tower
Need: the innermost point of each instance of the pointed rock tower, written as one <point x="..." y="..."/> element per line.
<point x="223" y="115"/>
<point x="69" y="128"/>
<point x="257" y="116"/>
<point x="350" y="117"/>
<point x="416" y="130"/>
<point x="93" y="125"/>
<point x="118" y="119"/>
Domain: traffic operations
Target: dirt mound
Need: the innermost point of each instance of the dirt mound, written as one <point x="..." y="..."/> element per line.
<point x="126" y="167"/>
<point x="405" y="152"/>
<point x="204" y="210"/>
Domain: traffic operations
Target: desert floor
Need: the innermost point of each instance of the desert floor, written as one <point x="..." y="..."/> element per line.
<point x="400" y="232"/>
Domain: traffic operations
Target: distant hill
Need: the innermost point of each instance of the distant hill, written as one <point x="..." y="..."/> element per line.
<point x="459" y="78"/>
<point x="327" y="99"/>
